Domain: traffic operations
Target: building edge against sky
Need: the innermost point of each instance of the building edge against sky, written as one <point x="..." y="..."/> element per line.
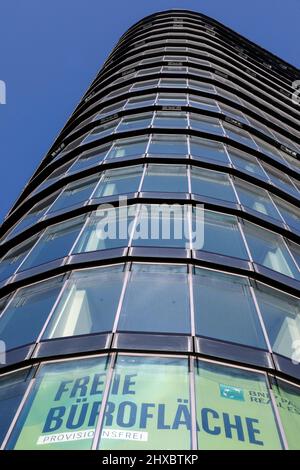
<point x="156" y="343"/>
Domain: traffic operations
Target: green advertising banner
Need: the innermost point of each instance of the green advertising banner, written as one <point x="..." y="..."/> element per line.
<point x="148" y="405"/>
<point x="288" y="402"/>
<point x="63" y="408"/>
<point x="234" y="410"/>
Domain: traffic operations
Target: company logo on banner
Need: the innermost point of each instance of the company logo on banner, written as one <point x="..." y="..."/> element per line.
<point x="233" y="393"/>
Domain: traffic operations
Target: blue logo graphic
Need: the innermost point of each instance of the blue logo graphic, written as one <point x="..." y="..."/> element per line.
<point x="232" y="393"/>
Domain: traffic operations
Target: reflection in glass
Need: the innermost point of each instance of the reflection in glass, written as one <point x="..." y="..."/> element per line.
<point x="21" y="322"/>
<point x="281" y="315"/>
<point x="88" y="304"/>
<point x="269" y="250"/>
<point x="156" y="300"/>
<point x="165" y="178"/>
<point x="119" y="181"/>
<point x="231" y="314"/>
<point x="55" y="242"/>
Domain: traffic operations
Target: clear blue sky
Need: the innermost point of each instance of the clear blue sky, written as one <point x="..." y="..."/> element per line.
<point x="50" y="50"/>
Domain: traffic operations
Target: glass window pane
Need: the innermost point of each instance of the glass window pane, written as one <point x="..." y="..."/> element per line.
<point x="119" y="181"/>
<point x="240" y="135"/>
<point x="256" y="198"/>
<point x="212" y="184"/>
<point x="88" y="159"/>
<point x="14" y="257"/>
<point x="106" y="229"/>
<point x="21" y="322"/>
<point x="229" y="316"/>
<point x="208" y="150"/>
<point x="162" y="225"/>
<point x="295" y="250"/>
<point x="289" y="212"/>
<point x="12" y="389"/>
<point x="63" y="406"/>
<point x="281" y="315"/>
<point x="234" y="410"/>
<point x="168" y="145"/>
<point x="172" y="99"/>
<point x="165" y="178"/>
<point x="156" y="301"/>
<point x="201" y="102"/>
<point x="88" y="304"/>
<point x="222" y="235"/>
<point x="288" y="401"/>
<point x="269" y="150"/>
<point x="268" y="249"/>
<point x="128" y="147"/>
<point x="146" y="401"/>
<point x="207" y="87"/>
<point x="280" y="180"/>
<point x="75" y="192"/>
<point x="137" y="121"/>
<point x="140" y="101"/>
<point x="145" y="84"/>
<point x="246" y="163"/>
<point x="101" y="131"/>
<point x="172" y="119"/>
<point x="56" y="242"/>
<point x="233" y="113"/>
<point x="205" y="124"/>
<point x="35" y="214"/>
<point x="173" y="82"/>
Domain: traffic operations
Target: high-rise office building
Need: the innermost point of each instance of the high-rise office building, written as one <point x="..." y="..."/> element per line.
<point x="116" y="335"/>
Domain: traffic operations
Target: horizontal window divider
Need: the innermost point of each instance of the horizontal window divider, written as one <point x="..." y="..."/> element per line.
<point x="185" y="346"/>
<point x="190" y="109"/>
<point x="212" y="46"/>
<point x="77" y="117"/>
<point x="147" y="132"/>
<point x="9" y="222"/>
<point x="222" y="263"/>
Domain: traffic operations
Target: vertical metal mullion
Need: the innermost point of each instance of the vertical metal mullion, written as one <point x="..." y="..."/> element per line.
<point x="53" y="202"/>
<point x="239" y="224"/>
<point x="97" y="185"/>
<point x="109" y="378"/>
<point x="192" y="389"/>
<point x="142" y="177"/>
<point x="42" y="233"/>
<point x="191" y="294"/>
<point x="61" y="292"/>
<point x="136" y="218"/>
<point x="290" y="253"/>
<point x="228" y="155"/>
<point x="260" y="317"/>
<point x="121" y="299"/>
<point x="277" y="414"/>
<point x="276" y="208"/>
<point x="231" y="178"/>
<point x="88" y="217"/>
<point x="189" y="178"/>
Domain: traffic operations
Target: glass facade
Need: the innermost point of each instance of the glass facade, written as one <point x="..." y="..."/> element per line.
<point x="150" y="270"/>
